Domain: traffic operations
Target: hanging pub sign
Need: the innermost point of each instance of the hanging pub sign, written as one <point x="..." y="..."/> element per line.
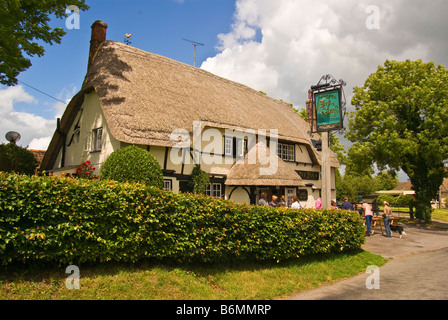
<point x="328" y="110"/>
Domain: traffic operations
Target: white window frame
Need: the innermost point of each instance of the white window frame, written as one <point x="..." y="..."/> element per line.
<point x="286" y="152"/>
<point x="228" y="146"/>
<point x="214" y="190"/>
<point x="167" y="184"/>
<point x="97" y="139"/>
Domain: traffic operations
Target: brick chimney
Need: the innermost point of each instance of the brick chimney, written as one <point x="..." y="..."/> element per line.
<point x="310" y="117"/>
<point x="99" y="29"/>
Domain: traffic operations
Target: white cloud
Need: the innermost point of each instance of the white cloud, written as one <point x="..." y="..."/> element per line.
<point x="301" y="40"/>
<point x="35" y="130"/>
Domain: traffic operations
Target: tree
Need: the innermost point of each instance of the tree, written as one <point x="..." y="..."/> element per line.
<point x="401" y="120"/>
<point x="22" y="24"/>
<point x="386" y="180"/>
<point x="199" y="180"/>
<point x="17" y="159"/>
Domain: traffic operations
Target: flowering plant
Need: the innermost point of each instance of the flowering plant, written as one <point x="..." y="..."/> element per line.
<point x="86" y="170"/>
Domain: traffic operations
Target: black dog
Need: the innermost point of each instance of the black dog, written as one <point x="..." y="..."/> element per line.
<point x="399" y="229"/>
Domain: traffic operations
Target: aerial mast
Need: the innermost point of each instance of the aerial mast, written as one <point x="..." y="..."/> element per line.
<point x="195" y="44"/>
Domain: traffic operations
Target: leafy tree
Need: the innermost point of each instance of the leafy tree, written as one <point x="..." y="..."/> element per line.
<point x="386" y="180"/>
<point x="199" y="180"/>
<point x="133" y="164"/>
<point x="22" y="24"/>
<point x="358" y="162"/>
<point x="17" y="159"/>
<point x="401" y="121"/>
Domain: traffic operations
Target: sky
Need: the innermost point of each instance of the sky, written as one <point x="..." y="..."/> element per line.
<point x="280" y="47"/>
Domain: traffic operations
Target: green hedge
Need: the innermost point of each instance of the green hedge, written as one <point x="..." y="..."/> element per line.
<point x="66" y="220"/>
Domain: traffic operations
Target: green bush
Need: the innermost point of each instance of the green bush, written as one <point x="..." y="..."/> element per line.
<point x="66" y="220"/>
<point x="17" y="159"/>
<point x="133" y="164"/>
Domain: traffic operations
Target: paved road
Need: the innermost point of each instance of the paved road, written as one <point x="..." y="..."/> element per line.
<point x="416" y="270"/>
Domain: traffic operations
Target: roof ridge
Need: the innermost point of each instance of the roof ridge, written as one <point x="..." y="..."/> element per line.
<point x="123" y="47"/>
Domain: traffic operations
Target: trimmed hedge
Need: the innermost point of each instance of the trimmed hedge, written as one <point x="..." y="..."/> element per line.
<point x="132" y="164"/>
<point x="65" y="220"/>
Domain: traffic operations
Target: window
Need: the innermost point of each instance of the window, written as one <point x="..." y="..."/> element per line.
<point x="286" y="152"/>
<point x="242" y="146"/>
<point x="228" y="146"/>
<point x="97" y="139"/>
<point x="235" y="147"/>
<point x="167" y="185"/>
<point x="213" y="190"/>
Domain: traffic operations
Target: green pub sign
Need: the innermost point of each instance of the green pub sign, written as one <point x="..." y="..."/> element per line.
<point x="328" y="110"/>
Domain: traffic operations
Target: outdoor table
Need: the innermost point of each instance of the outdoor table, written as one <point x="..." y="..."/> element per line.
<point x="379" y="221"/>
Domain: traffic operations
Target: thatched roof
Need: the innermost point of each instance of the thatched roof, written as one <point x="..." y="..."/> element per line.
<point x="253" y="172"/>
<point x="144" y="97"/>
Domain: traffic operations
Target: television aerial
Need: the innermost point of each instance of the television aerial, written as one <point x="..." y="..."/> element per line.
<point x="12" y="136"/>
<point x="195" y="44"/>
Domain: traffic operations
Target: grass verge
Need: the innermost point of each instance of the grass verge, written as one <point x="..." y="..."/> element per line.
<point x="156" y="281"/>
<point x="440" y="214"/>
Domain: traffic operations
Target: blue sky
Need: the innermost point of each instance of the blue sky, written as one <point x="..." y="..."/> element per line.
<point x="281" y="47"/>
<point x="157" y="26"/>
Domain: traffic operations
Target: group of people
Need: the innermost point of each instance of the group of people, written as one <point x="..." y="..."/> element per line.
<point x="367" y="211"/>
<point x="275" y="202"/>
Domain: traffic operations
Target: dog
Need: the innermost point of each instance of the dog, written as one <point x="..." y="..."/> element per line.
<point x="398" y="229"/>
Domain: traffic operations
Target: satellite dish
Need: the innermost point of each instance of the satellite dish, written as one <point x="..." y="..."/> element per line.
<point x="13" y="136"/>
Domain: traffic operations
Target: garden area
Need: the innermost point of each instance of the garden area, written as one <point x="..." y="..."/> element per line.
<point x="125" y="235"/>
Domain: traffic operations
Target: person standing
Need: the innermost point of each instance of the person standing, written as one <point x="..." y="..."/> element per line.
<point x="263" y="202"/>
<point x="368" y="215"/>
<point x="387" y="215"/>
<point x="273" y="202"/>
<point x="375" y="207"/>
<point x="334" y="205"/>
<point x="295" y="203"/>
<point x="347" y="205"/>
<point x="282" y="202"/>
<point x="318" y="203"/>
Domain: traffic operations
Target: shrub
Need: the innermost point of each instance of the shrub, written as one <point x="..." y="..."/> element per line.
<point x="133" y="164"/>
<point x="17" y="159"/>
<point x="66" y="220"/>
<point x="199" y="180"/>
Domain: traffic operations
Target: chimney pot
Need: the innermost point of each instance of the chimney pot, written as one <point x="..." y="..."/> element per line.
<point x="98" y="36"/>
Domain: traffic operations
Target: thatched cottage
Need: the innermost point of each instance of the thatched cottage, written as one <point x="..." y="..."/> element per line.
<point x="181" y="114"/>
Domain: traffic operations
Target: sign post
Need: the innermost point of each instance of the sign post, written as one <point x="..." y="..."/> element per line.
<point x="328" y="115"/>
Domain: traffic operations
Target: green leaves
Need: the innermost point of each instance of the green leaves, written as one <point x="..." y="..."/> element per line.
<point x="133" y="164"/>
<point x="67" y="220"/>
<point x="401" y="120"/>
<point x="22" y="23"/>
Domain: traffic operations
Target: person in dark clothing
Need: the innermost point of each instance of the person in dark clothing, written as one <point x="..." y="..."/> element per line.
<point x="347" y="205"/>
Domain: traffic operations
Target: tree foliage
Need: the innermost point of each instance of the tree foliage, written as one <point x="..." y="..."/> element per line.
<point x="199" y="180"/>
<point x="22" y="24"/>
<point x="17" y="159"/>
<point x="401" y="122"/>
